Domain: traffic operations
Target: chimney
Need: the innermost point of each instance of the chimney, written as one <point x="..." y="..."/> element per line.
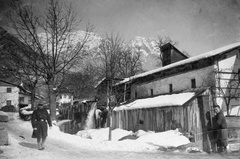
<point x="166" y="54"/>
<point x="171" y="54"/>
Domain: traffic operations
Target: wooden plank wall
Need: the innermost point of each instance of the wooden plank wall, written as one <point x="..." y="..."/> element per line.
<point x="77" y="113"/>
<point x="69" y="111"/>
<point x="189" y="118"/>
<point x="153" y="119"/>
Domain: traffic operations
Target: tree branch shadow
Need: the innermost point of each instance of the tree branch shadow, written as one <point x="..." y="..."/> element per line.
<point x="29" y="145"/>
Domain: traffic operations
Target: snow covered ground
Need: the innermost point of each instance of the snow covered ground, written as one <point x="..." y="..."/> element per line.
<point x="98" y="139"/>
<point x="93" y="143"/>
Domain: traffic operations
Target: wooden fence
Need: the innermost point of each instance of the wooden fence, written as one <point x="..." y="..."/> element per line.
<point x="77" y="114"/>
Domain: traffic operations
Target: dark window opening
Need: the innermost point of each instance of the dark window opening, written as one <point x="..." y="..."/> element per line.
<point x="170" y="88"/>
<point x="9" y="102"/>
<point x="193" y="82"/>
<point x="135" y="94"/>
<point x="151" y="92"/>
<point x="9" y="90"/>
<point x="21" y="99"/>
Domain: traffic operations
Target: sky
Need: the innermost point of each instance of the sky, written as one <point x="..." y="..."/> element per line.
<point x="197" y="25"/>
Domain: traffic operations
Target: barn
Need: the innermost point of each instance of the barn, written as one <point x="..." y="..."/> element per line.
<point x="181" y="94"/>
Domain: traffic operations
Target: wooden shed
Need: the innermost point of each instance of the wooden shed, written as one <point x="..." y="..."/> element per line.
<point x="186" y="111"/>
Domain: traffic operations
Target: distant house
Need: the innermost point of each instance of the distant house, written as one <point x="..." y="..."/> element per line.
<point x="12" y="94"/>
<point x="181" y="93"/>
<point x="64" y="96"/>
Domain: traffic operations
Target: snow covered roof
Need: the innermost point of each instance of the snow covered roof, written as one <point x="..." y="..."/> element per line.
<point x="159" y="101"/>
<point x="99" y="82"/>
<point x="182" y="62"/>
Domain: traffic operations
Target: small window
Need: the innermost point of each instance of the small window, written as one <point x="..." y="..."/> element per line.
<point x="170" y="88"/>
<point x="193" y="82"/>
<point x="21" y="99"/>
<point x="135" y="94"/>
<point x="9" y="90"/>
<point x="151" y="92"/>
<point x="9" y="102"/>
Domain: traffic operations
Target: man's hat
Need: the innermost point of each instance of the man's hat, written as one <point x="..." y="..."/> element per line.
<point x="216" y="106"/>
<point x="40" y="104"/>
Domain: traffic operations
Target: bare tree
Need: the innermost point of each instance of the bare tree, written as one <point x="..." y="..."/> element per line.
<point x="108" y="53"/>
<point x="116" y="61"/>
<point x="55" y="47"/>
<point x="19" y="63"/>
<point x="129" y="62"/>
<point x="81" y="83"/>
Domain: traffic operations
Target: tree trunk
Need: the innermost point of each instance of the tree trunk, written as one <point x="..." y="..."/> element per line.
<point x="52" y="102"/>
<point x="110" y="125"/>
<point x="33" y="99"/>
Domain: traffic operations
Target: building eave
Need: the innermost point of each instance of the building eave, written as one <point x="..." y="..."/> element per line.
<point x="206" y="55"/>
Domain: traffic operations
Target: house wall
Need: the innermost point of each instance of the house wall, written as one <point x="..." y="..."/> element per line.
<point x="13" y="96"/>
<point x="226" y="79"/>
<point x="65" y="98"/>
<point x="203" y="77"/>
<point x="206" y="77"/>
<point x="27" y="99"/>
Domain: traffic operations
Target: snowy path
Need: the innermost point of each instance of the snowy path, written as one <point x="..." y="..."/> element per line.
<point x="22" y="146"/>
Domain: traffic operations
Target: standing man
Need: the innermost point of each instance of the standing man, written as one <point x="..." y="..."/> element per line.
<point x="40" y="118"/>
<point x="220" y="126"/>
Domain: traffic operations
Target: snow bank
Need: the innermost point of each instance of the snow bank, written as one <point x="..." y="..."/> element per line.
<point x="26" y="110"/>
<point x="170" y="138"/>
<point x="102" y="134"/>
<point x="97" y="139"/>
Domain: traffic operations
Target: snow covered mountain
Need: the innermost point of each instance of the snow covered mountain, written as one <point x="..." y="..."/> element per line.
<point x="147" y="46"/>
<point x="149" y="51"/>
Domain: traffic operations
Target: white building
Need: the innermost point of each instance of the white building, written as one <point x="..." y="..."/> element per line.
<point x="218" y="69"/>
<point x="181" y="94"/>
<point x="64" y="96"/>
<point x="12" y="95"/>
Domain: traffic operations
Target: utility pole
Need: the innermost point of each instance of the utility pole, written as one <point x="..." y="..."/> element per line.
<point x="109" y="109"/>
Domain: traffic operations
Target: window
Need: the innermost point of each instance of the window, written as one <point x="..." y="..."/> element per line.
<point x="9" y="90"/>
<point x="135" y="94"/>
<point x="170" y="88"/>
<point x="193" y="82"/>
<point x="9" y="102"/>
<point x="151" y="92"/>
<point x="21" y="99"/>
